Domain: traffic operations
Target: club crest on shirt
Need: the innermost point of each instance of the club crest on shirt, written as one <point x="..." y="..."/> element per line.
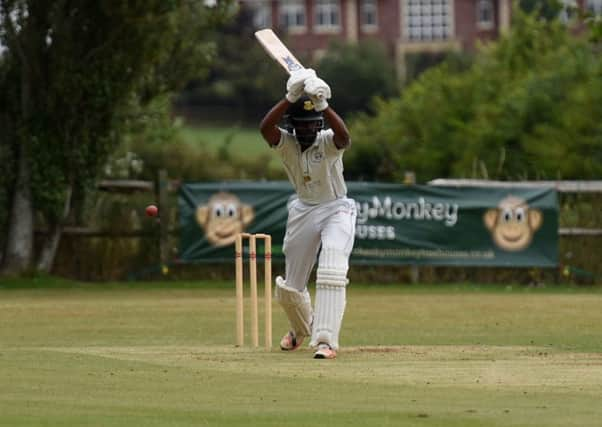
<point x="317" y="156"/>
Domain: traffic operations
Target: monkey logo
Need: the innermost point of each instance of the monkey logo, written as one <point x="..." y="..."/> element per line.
<point x="513" y="223"/>
<point x="308" y="106"/>
<point x="223" y="217"/>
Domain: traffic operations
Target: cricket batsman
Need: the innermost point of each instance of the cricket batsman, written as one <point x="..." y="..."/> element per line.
<point x="321" y="218"/>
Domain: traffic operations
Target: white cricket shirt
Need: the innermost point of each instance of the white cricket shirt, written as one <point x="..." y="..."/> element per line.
<point x="316" y="173"/>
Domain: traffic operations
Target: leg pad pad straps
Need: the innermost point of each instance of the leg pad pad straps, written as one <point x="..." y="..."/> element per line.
<point x="332" y="267"/>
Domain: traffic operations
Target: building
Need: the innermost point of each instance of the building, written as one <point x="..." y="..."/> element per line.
<point x="405" y="27"/>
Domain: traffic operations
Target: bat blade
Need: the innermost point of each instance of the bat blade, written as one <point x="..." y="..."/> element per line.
<point x="277" y="50"/>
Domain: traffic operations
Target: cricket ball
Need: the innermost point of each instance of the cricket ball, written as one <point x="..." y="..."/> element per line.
<point x="152" y="210"/>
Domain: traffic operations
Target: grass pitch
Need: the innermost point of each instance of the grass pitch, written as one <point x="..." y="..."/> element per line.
<point x="161" y="354"/>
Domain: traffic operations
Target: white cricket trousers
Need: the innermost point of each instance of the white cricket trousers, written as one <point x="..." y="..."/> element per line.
<point x="309" y="227"/>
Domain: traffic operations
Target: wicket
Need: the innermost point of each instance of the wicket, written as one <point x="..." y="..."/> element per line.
<point x="267" y="240"/>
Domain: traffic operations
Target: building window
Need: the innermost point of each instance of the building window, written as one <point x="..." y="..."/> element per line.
<point x="485" y="14"/>
<point x="594" y="6"/>
<point x="427" y="20"/>
<point x="262" y="13"/>
<point x="328" y="15"/>
<point x="292" y="15"/>
<point x="369" y="15"/>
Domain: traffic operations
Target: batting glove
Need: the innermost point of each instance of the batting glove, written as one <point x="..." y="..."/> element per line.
<point x="319" y="92"/>
<point x="296" y="83"/>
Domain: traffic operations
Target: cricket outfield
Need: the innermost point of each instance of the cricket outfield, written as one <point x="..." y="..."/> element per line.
<point x="162" y="354"/>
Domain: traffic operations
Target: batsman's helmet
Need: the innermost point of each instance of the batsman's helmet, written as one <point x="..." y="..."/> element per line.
<point x="303" y="111"/>
<point x="304" y="121"/>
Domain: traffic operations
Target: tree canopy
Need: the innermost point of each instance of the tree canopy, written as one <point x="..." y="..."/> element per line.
<point x="529" y="107"/>
<point x="242" y="82"/>
<point x="357" y="73"/>
<point x="73" y="75"/>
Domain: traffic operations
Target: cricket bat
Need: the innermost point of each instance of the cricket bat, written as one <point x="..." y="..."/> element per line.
<point x="277" y="50"/>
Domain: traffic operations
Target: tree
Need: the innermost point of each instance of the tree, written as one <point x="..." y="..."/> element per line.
<point x="529" y="107"/>
<point x="357" y="73"/>
<point x="71" y="76"/>
<point x="547" y="9"/>
<point x="594" y="25"/>
<point x="242" y="80"/>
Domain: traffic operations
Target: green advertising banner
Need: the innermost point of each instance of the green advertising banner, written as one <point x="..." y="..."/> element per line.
<point x="396" y="224"/>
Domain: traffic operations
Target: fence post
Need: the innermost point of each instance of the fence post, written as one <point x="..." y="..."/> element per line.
<point x="409" y="178"/>
<point x="164" y="215"/>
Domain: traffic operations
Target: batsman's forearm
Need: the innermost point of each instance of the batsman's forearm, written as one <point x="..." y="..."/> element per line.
<point x="272" y="118"/>
<point x="269" y="125"/>
<point x="341" y="133"/>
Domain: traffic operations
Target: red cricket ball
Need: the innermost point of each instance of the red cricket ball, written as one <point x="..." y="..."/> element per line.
<point x="152" y="210"/>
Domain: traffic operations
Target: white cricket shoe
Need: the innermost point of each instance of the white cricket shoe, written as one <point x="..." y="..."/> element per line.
<point x="290" y="342"/>
<point x="324" y="351"/>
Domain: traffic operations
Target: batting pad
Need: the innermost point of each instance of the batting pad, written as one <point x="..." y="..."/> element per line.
<point x="331" y="282"/>
<point x="296" y="305"/>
